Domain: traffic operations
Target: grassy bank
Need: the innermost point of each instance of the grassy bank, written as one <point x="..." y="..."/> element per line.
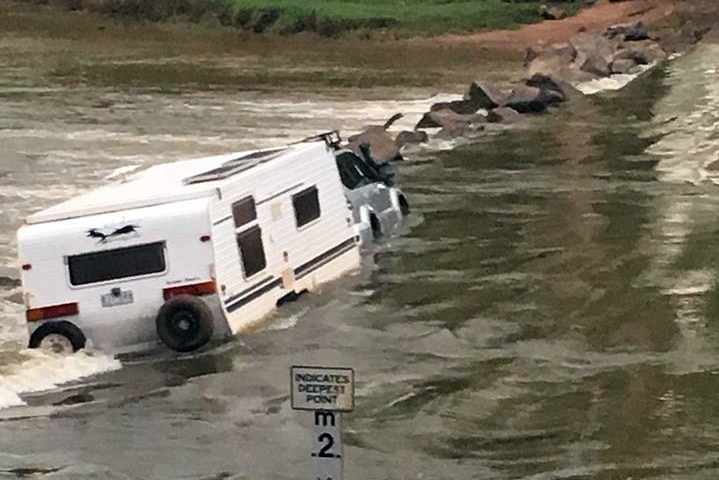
<point x="411" y="17"/>
<point x="329" y="18"/>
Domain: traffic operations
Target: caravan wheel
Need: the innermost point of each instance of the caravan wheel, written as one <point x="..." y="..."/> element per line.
<point x="58" y="337"/>
<point x="184" y="323"/>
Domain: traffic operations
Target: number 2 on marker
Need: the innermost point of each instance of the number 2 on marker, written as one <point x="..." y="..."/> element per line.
<point x="325" y="450"/>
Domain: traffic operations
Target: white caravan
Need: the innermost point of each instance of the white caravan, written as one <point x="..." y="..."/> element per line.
<point x="185" y="251"/>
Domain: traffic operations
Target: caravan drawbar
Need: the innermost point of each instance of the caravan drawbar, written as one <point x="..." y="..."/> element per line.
<point x="186" y="251"/>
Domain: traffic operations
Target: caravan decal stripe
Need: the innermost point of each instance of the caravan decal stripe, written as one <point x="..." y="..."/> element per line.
<point x="286" y="190"/>
<point x="326" y="257"/>
<point x="262" y="287"/>
<point x="254" y="295"/>
<point x="222" y="220"/>
<point x="249" y="290"/>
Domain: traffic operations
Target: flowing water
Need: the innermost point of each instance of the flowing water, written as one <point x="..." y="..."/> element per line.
<point x="550" y="312"/>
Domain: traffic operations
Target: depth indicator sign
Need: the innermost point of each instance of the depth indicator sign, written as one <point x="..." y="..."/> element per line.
<point x="327" y="392"/>
<point x="322" y="388"/>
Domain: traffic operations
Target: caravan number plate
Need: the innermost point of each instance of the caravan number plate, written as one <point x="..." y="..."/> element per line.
<point x="113" y="299"/>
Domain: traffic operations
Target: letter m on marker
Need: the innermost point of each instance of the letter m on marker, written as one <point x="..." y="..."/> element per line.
<point x="322" y="418"/>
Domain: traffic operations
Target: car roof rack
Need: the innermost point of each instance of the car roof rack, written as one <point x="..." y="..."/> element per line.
<point x="332" y="139"/>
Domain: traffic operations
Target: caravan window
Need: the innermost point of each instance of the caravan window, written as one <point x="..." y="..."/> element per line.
<point x="252" y="251"/>
<point x="307" y="206"/>
<point x="244" y="211"/>
<point x="249" y="236"/>
<point x="116" y="264"/>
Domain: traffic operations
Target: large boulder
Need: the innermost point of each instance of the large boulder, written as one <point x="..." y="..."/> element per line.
<point x="596" y="65"/>
<point x="590" y="43"/>
<point x="449" y="120"/>
<point x="594" y="53"/>
<point x="624" y="65"/>
<point x="551" y="13"/>
<point x="526" y="99"/>
<point x="486" y="95"/>
<point x="457" y="130"/>
<point x="413" y="137"/>
<point x="632" y="32"/>
<point x="463" y="107"/>
<point x="556" y="61"/>
<point x="648" y="50"/>
<point x="560" y="53"/>
<point x="552" y="90"/>
<point x="504" y="115"/>
<point x="382" y="147"/>
<point x="634" y="55"/>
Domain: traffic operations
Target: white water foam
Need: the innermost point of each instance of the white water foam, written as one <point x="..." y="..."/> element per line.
<point x="9" y="398"/>
<point x="121" y="171"/>
<point x="687" y="121"/>
<point x="41" y="371"/>
<point x="288" y="322"/>
<point x="613" y="82"/>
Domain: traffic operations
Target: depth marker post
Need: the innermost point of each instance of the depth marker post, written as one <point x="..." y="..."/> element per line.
<point x="327" y="392"/>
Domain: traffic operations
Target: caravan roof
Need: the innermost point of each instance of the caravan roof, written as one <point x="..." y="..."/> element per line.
<point x="168" y="182"/>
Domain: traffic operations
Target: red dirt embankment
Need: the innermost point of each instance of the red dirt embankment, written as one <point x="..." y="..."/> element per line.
<point x="598" y="17"/>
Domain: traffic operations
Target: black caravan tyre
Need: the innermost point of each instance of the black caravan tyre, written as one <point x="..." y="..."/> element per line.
<point x="58" y="337"/>
<point x="184" y="323"/>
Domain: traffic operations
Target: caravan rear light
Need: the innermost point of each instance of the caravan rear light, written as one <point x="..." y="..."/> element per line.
<point x="27" y="267"/>
<point x="55" y="311"/>
<point x="198" y="289"/>
<point x="205" y="238"/>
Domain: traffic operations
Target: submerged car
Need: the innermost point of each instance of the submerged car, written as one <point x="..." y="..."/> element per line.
<point x="378" y="207"/>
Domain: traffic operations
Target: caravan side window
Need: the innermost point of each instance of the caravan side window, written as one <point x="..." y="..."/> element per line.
<point x="307" y="206"/>
<point x="249" y="236"/>
<point x="244" y="211"/>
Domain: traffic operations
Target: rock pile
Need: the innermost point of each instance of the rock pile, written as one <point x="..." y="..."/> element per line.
<point x="488" y="102"/>
<point x="553" y="71"/>
<point x="588" y="56"/>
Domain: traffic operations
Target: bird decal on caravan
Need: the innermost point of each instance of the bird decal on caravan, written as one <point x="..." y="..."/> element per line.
<point x="103" y="237"/>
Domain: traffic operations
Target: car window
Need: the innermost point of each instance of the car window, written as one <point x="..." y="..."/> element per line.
<point x="353" y="171"/>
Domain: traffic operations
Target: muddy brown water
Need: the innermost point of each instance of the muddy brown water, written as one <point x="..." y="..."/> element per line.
<point x="550" y="312"/>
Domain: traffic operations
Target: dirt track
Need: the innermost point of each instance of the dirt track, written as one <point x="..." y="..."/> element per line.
<point x="598" y="17"/>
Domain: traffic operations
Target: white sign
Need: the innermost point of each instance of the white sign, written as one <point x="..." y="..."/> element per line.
<point x="323" y="388"/>
<point x="327" y="445"/>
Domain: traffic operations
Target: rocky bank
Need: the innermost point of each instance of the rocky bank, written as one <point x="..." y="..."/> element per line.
<point x="554" y="75"/>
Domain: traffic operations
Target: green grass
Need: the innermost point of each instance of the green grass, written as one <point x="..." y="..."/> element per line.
<point x="423" y="17"/>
